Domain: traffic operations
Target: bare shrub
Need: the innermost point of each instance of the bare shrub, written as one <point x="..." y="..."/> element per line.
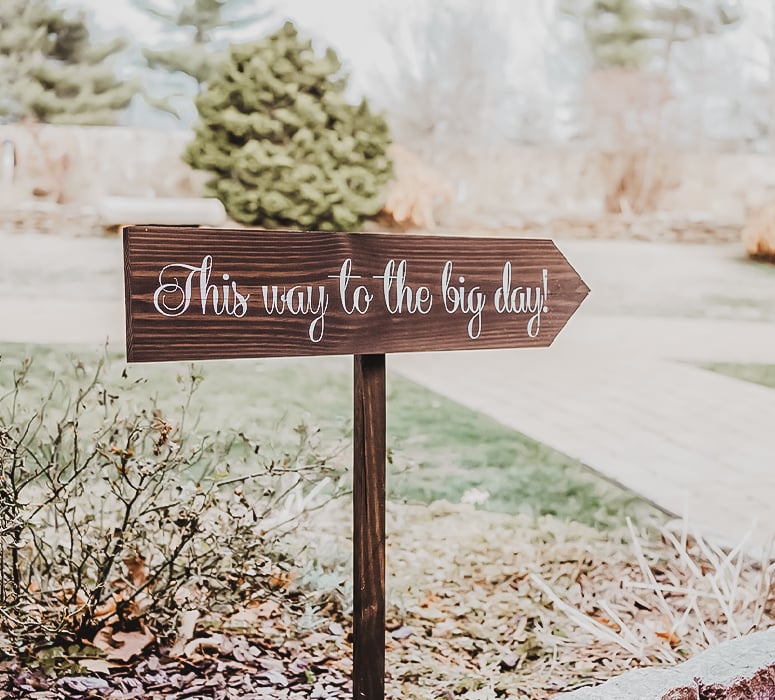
<point x="110" y="512"/>
<point x="626" y="108"/>
<point x="759" y="234"/>
<point x="416" y="192"/>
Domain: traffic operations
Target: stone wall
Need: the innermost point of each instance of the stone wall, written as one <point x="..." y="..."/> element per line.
<point x="574" y="181"/>
<point x="81" y="164"/>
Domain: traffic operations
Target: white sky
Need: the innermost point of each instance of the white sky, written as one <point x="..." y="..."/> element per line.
<point x="352" y="26"/>
<point x="355" y="29"/>
<point x="347" y="25"/>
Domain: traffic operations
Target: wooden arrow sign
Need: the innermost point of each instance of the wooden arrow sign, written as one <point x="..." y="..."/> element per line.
<point x="195" y="294"/>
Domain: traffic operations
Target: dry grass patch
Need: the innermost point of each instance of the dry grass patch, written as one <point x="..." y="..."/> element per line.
<point x="485" y="605"/>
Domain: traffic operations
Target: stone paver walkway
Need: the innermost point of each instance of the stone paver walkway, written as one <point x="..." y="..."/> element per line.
<point x="692" y="441"/>
<point x="618" y="389"/>
<point x="623" y="394"/>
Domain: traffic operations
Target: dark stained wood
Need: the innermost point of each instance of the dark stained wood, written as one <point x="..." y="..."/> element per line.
<point x="369" y="450"/>
<point x="255" y="259"/>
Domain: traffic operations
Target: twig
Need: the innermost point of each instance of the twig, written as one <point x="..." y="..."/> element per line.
<point x="592" y="626"/>
<point x="649" y="574"/>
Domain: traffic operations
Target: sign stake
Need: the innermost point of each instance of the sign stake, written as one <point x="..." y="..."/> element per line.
<point x="369" y="450"/>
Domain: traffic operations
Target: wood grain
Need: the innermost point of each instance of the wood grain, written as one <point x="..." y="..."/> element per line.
<point x="255" y="259"/>
<point x="369" y="449"/>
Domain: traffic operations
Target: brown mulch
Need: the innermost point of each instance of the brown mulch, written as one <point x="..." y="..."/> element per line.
<point x="480" y="606"/>
<point x="234" y="668"/>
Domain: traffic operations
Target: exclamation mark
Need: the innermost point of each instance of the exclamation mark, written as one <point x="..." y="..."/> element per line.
<point x="546" y="290"/>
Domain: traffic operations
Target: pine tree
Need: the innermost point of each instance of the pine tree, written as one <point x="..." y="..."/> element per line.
<point x="51" y="70"/>
<point x="685" y="20"/>
<point x="629" y="33"/>
<point x="200" y="20"/>
<point x="285" y="146"/>
<point x="616" y="31"/>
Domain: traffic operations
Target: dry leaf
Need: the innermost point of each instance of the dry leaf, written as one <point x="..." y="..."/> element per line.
<point x="509" y="660"/>
<point x="196" y="645"/>
<point x="671" y="637"/>
<point x="106" y="609"/>
<point x="83" y="685"/>
<point x="186" y="629"/>
<point x="281" y="579"/>
<point x="603" y="620"/>
<point x="125" y="645"/>
<point x="668" y="633"/>
<point x="102" y="640"/>
<point x="137" y="570"/>
<point x="96" y="665"/>
<point x="402" y="632"/>
<point x="265" y="608"/>
<point x="116" y="450"/>
<point x="247" y="619"/>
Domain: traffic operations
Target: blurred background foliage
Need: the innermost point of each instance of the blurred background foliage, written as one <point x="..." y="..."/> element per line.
<point x="459" y="88"/>
<point x="441" y="70"/>
<point x="53" y="71"/>
<point x="285" y="146"/>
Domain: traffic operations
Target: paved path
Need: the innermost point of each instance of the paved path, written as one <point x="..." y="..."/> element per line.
<point x="623" y="394"/>
<point x="689" y="440"/>
<point x="618" y="389"/>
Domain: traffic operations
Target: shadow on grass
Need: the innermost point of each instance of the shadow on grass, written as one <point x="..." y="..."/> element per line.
<point x="763" y="374"/>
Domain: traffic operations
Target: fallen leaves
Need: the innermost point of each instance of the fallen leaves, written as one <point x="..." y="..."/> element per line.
<point x="282" y="579"/>
<point x="136" y="570"/>
<point x="186" y="630"/>
<point x="667" y="632"/>
<point x="97" y="666"/>
<point x="221" y="667"/>
<point x="479" y="606"/>
<point x="122" y="646"/>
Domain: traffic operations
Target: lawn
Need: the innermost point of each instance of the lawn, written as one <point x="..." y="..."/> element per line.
<point x="763" y="374"/>
<point x="437" y="448"/>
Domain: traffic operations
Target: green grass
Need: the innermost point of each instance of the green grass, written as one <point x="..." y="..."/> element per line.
<point x="438" y="449"/>
<point x="763" y="374"/>
<point x="451" y="449"/>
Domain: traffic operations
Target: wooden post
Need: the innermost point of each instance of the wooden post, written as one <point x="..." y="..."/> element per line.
<point x="369" y="451"/>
